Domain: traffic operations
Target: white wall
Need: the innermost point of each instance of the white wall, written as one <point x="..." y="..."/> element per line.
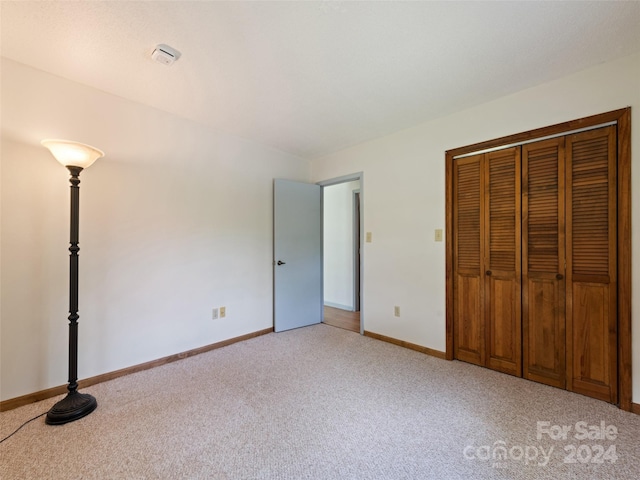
<point x="405" y="194"/>
<point x="175" y="220"/>
<point x="338" y="244"/>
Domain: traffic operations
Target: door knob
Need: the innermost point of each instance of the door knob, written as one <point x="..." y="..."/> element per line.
<point x="488" y="272"/>
<point x="559" y="276"/>
<point x="280" y="262"/>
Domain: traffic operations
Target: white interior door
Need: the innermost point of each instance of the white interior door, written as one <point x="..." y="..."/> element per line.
<point x="297" y="260"/>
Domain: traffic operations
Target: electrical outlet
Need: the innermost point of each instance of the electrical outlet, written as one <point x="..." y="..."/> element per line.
<point x="214" y="314"/>
<point x="438" y="236"/>
<point x="396" y="311"/>
<point x="223" y="312"/>
<point x="368" y="237"/>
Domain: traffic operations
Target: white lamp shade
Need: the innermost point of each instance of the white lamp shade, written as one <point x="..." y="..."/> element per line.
<point x="73" y="154"/>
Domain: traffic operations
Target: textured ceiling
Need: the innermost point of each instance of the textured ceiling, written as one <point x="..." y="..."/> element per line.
<point x="310" y="78"/>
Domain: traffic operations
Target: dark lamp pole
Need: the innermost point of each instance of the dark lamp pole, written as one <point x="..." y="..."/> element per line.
<point x="75" y="156"/>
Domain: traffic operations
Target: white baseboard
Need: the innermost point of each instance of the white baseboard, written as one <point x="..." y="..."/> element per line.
<point x="349" y="308"/>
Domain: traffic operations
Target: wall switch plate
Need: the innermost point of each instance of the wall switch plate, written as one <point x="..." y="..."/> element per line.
<point x="438" y="236"/>
<point x="368" y="237"/>
<point x="396" y="311"/>
<point x="214" y="314"/>
<point x="223" y="312"/>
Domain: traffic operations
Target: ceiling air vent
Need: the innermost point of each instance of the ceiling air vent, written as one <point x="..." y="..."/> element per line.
<point x="165" y="55"/>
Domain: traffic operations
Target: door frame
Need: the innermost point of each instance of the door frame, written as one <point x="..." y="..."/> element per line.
<point x="622" y="119"/>
<point x="335" y="181"/>
<point x="357" y="251"/>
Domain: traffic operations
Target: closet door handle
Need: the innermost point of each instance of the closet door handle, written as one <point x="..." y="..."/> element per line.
<point x="488" y="272"/>
<point x="559" y="276"/>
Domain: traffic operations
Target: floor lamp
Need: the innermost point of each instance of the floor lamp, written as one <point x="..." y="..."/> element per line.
<point x="76" y="157"/>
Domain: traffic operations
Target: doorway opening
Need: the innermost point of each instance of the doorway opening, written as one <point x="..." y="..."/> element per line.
<point x="342" y="252"/>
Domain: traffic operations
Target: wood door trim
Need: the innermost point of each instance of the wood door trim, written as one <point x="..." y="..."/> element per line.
<point x="448" y="225"/>
<point x="624" y="259"/>
<point x="623" y="119"/>
<point x="558" y="128"/>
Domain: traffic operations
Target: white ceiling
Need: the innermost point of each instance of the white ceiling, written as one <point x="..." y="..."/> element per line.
<point x="312" y="77"/>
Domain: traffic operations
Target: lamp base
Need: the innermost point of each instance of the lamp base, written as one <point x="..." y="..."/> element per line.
<point x="72" y="407"/>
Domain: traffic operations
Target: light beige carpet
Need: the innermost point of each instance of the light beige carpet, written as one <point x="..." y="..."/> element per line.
<point x="324" y="403"/>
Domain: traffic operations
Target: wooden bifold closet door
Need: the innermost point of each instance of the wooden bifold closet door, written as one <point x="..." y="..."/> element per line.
<point x="534" y="261"/>
<point x="468" y="261"/>
<point x="543" y="268"/>
<point x="592" y="264"/>
<point x="502" y="262"/>
<point x="487" y="260"/>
